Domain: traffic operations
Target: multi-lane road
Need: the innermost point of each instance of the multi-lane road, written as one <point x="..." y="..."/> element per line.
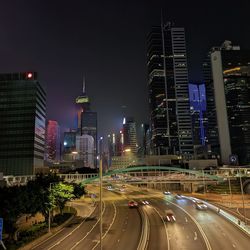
<point x="123" y="228"/>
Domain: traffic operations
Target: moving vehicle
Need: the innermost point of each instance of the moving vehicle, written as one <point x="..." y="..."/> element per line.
<point x="170" y="216"/>
<point x="200" y="205"/>
<point x="110" y="188"/>
<point x="167" y="192"/>
<point x="132" y="204"/>
<point x="178" y="196"/>
<point x="144" y="202"/>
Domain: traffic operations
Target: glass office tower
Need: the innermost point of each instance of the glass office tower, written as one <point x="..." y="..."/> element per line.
<point x="22" y="123"/>
<point x="170" y="119"/>
<point x="230" y="86"/>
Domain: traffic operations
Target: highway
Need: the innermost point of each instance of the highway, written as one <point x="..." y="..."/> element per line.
<point x="122" y="226"/>
<point x="220" y="232"/>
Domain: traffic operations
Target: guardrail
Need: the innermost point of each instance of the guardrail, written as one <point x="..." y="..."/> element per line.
<point x="234" y="220"/>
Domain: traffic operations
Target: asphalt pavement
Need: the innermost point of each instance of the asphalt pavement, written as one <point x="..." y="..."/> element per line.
<point x="122" y="226"/>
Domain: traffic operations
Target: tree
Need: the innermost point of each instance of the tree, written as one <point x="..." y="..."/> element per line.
<point x="60" y="194"/>
<point x="79" y="190"/>
<point x="13" y="205"/>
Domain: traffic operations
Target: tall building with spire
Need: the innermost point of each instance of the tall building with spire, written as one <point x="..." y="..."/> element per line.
<point x="170" y="120"/>
<point x="87" y="124"/>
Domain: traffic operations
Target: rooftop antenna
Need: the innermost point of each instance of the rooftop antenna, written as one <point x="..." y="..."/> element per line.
<point x="83" y="86"/>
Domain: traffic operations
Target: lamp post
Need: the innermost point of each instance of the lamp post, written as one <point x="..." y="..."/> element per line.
<point x="51" y="183"/>
<point x="204" y="183"/>
<point x="49" y="209"/>
<point x="100" y="178"/>
<point x="242" y="196"/>
<point x="230" y="190"/>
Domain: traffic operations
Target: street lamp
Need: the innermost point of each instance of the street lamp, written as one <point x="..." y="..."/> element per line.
<point x="242" y="195"/>
<point x="204" y="183"/>
<point x="100" y="177"/>
<point x="51" y="183"/>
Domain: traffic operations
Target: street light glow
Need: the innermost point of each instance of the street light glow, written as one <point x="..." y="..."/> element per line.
<point x="127" y="150"/>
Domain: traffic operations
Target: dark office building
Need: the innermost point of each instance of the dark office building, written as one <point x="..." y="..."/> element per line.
<point x="170" y="120"/>
<point x="69" y="141"/>
<point x="142" y="140"/>
<point x="22" y="124"/>
<point x="230" y="80"/>
<point x="212" y="134"/>
<point x="129" y="133"/>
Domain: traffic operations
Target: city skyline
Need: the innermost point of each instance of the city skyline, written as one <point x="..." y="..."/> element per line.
<point x="77" y="41"/>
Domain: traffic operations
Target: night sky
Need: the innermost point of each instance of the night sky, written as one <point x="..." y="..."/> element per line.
<point x="105" y="41"/>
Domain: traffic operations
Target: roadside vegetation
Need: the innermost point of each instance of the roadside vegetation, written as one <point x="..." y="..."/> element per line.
<point x="44" y="194"/>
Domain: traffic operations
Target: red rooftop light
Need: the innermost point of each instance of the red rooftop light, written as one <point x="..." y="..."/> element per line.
<point x="29" y="75"/>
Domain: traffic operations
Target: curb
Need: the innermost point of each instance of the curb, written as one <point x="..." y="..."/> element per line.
<point x="229" y="217"/>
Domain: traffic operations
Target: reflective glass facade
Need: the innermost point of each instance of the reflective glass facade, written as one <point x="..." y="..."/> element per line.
<point x="170" y="119"/>
<point x="22" y="123"/>
<point x="236" y="74"/>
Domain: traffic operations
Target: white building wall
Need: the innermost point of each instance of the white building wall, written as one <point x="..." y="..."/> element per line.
<point x="220" y="104"/>
<point x="85" y="150"/>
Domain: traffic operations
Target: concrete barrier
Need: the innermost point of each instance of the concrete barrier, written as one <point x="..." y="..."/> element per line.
<point x="234" y="220"/>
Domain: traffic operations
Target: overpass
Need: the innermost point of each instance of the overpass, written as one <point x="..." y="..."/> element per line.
<point x="149" y="174"/>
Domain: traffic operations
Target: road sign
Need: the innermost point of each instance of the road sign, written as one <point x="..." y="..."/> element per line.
<point x="1" y="228"/>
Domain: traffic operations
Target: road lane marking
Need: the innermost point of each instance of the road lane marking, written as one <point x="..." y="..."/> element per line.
<point x="197" y="224"/>
<point x="58" y="233"/>
<point x="66" y="236"/>
<point x="78" y="242"/>
<point x="165" y="226"/>
<point x="195" y="236"/>
<point x="186" y="219"/>
<point x="110" y="225"/>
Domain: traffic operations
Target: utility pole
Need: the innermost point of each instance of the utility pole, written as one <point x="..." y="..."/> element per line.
<point x="242" y="195"/>
<point x="100" y="178"/>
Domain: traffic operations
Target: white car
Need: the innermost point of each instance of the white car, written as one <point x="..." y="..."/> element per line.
<point x="167" y="192"/>
<point x="200" y="205"/>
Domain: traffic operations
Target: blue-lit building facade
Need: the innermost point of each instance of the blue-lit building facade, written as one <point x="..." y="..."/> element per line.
<point x="197" y="95"/>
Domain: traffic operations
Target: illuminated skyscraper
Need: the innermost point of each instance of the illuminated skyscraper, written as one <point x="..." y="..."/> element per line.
<point x="22" y="124"/>
<point x="170" y="120"/>
<point x="229" y="85"/>
<point x="52" y="141"/>
<point x="129" y="132"/>
<point x="87" y="119"/>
